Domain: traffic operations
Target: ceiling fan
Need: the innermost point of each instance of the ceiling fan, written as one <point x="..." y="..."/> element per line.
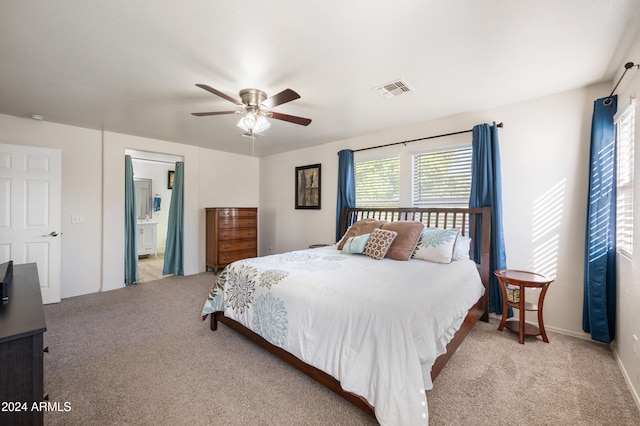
<point x="256" y="108"/>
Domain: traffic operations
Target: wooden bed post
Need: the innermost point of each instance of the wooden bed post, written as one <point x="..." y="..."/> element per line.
<point x="214" y="321"/>
<point x="485" y="255"/>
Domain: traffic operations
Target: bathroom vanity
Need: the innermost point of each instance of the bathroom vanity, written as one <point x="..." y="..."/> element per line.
<point x="147" y="238"/>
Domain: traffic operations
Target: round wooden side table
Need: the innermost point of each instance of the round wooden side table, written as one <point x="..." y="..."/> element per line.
<point x="513" y="284"/>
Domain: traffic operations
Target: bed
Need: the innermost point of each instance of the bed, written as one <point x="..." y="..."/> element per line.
<point x="375" y="330"/>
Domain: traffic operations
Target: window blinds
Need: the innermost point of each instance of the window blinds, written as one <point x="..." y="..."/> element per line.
<point x="378" y="182"/>
<point x="442" y="178"/>
<point x="625" y="135"/>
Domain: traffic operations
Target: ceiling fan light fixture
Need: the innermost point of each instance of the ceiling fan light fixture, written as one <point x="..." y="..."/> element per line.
<point x="256" y="107"/>
<point x="262" y="124"/>
<point x="253" y="122"/>
<point x="247" y="121"/>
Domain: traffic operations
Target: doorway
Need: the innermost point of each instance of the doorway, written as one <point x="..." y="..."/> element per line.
<point x="151" y="172"/>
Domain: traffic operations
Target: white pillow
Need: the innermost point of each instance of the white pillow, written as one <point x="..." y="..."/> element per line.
<point x="436" y="245"/>
<point x="462" y="248"/>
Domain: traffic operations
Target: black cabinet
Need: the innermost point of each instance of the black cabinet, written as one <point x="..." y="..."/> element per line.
<point x="22" y="325"/>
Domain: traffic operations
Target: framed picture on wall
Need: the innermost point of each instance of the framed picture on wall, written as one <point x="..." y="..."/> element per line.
<point x="170" y="179"/>
<point x="308" y="187"/>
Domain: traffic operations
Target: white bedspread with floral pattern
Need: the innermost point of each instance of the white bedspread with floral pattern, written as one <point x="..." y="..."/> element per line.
<point x="377" y="326"/>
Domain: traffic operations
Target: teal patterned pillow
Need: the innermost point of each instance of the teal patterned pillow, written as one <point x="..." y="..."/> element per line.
<point x="436" y="245"/>
<point x="355" y="245"/>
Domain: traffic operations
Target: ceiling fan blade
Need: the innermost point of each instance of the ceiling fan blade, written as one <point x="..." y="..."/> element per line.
<point x="202" y="114"/>
<point x="291" y="118"/>
<point x="219" y="93"/>
<point x="287" y="95"/>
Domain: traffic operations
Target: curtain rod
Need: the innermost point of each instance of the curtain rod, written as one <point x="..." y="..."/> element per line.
<point x="153" y="161"/>
<point x="422" y="139"/>
<point x="627" y="67"/>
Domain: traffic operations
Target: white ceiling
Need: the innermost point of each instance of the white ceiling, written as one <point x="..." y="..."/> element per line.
<point x="131" y="66"/>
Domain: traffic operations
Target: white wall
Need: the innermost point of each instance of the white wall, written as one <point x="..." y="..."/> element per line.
<point x="544" y="146"/>
<point x="212" y="178"/>
<point x="226" y="180"/>
<point x="81" y="195"/>
<point x="628" y="270"/>
<point x="92" y="257"/>
<point x="283" y="228"/>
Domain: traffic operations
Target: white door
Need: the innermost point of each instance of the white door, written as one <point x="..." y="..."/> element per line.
<point x="30" y="205"/>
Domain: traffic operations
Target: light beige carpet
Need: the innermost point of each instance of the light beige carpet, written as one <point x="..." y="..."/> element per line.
<point x="142" y="356"/>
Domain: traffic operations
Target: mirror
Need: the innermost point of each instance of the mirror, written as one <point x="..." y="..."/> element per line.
<point x="144" y="201"/>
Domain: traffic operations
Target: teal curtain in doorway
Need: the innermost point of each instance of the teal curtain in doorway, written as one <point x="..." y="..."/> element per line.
<point x="174" y="250"/>
<point x="130" y="225"/>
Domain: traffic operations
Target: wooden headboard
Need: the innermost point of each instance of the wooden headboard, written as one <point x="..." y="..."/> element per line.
<point x="465" y="219"/>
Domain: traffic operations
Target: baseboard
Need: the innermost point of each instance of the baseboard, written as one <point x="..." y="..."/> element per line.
<point x="579" y="335"/>
<point x="634" y="392"/>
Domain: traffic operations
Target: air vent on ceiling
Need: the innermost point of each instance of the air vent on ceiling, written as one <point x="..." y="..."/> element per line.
<point x="392" y="89"/>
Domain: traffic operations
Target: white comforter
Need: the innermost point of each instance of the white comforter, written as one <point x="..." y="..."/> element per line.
<point x="377" y="326"/>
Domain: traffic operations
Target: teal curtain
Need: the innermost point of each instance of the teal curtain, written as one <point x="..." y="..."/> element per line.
<point x="486" y="191"/>
<point x="174" y="250"/>
<point x="599" y="302"/>
<point x="346" y="186"/>
<point x="130" y="225"/>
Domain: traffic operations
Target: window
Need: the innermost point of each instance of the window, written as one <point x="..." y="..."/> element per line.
<point x="625" y="129"/>
<point x="442" y="178"/>
<point x="378" y="183"/>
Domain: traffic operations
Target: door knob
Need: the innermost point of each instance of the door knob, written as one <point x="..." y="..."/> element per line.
<point x="52" y="234"/>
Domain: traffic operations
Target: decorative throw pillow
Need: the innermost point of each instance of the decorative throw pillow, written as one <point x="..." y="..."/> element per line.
<point x="462" y="248"/>
<point x="363" y="226"/>
<point x="379" y="243"/>
<point x="436" y="245"/>
<point x="405" y="243"/>
<point x="355" y="245"/>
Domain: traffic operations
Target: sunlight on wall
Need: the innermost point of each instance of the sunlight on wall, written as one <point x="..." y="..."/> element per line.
<point x="547" y="218"/>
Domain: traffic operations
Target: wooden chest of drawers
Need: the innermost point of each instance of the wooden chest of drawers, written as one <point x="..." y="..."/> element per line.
<point x="232" y="234"/>
<point x="22" y="325"/>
